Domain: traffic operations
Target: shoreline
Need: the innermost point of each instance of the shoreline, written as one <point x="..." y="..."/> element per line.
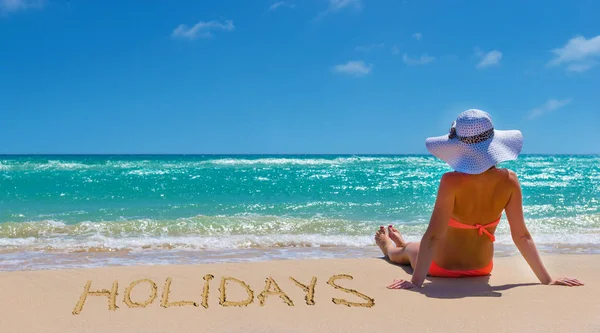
<point x="164" y="298"/>
<point x="15" y="261"/>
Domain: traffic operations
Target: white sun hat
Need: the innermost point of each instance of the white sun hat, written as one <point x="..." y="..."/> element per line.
<point x="473" y="145"/>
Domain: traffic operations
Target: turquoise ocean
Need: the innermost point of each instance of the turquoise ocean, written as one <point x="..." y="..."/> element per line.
<point x="83" y="211"/>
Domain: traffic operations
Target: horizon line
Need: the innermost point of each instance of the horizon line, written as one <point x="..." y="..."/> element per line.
<point x="259" y="154"/>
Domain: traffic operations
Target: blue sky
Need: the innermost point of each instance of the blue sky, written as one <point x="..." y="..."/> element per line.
<point x="293" y="76"/>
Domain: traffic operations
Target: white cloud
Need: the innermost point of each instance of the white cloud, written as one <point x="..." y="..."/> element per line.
<point x="335" y="5"/>
<point x="395" y="50"/>
<point x="201" y="29"/>
<point x="356" y="68"/>
<point x="578" y="54"/>
<point x="488" y="59"/>
<point x="280" y="4"/>
<point x="370" y="47"/>
<point x="417" y="35"/>
<point x="422" y="60"/>
<point x="9" y="6"/>
<point x="550" y="105"/>
<point x="581" y="67"/>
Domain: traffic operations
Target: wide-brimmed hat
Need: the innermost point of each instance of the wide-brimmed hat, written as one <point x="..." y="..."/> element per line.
<point x="473" y="145"/>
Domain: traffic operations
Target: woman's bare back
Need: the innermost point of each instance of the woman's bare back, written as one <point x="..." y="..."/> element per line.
<point x="479" y="199"/>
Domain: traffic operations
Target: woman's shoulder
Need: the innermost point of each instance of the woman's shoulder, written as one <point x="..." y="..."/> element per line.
<point x="509" y="176"/>
<point x="452" y="179"/>
<point x="506" y="175"/>
<point x="451" y="175"/>
<point x="508" y="172"/>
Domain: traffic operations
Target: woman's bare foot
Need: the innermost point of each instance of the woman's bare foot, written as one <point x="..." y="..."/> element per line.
<point x="396" y="236"/>
<point x="382" y="240"/>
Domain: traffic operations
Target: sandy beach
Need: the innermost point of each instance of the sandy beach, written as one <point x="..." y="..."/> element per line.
<point x="341" y="295"/>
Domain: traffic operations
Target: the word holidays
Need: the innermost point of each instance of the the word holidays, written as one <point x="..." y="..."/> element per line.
<point x="271" y="289"/>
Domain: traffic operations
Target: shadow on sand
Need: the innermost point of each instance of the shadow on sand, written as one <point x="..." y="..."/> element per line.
<point x="449" y="288"/>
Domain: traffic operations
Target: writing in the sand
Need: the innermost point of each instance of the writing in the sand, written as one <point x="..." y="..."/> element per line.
<point x="271" y="288"/>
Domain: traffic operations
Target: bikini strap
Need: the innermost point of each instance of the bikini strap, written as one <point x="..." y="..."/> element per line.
<point x="480" y="228"/>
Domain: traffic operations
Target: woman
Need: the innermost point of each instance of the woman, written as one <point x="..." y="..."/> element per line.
<point x="459" y="239"/>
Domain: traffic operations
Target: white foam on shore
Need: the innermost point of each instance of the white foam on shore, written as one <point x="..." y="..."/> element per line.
<point x="97" y="242"/>
<point x="55" y="244"/>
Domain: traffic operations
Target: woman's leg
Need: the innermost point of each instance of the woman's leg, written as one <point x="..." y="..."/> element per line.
<point x="402" y="253"/>
<point x="406" y="255"/>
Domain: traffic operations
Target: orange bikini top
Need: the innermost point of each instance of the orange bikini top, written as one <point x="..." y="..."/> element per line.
<point x="481" y="228"/>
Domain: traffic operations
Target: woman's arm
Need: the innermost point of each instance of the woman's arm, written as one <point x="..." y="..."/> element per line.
<point x="523" y="240"/>
<point x="442" y="212"/>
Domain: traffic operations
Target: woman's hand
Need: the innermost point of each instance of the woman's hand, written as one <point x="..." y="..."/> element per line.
<point x="401" y="284"/>
<point x="567" y="282"/>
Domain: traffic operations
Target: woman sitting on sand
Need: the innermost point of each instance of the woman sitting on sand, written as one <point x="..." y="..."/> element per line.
<point x="459" y="239"/>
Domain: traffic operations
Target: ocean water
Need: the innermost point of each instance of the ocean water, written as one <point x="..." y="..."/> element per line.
<point x="81" y="211"/>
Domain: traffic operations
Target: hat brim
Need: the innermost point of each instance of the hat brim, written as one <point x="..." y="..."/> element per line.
<point x="477" y="158"/>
